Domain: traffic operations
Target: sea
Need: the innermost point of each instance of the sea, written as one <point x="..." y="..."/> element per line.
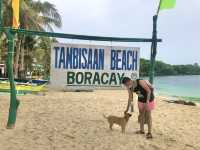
<point x="176" y="87"/>
<point x="182" y="87"/>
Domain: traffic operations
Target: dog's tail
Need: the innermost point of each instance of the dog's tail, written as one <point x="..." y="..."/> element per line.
<point x="105" y="116"/>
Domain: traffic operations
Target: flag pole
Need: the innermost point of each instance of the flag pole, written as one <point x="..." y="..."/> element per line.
<point x="14" y="103"/>
<point x="158" y="10"/>
<point x="154" y="46"/>
<point x="1" y="18"/>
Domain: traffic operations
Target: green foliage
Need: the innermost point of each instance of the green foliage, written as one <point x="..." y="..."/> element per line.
<point x="144" y="67"/>
<point x="163" y="69"/>
<point x="34" y="15"/>
<point x="43" y="53"/>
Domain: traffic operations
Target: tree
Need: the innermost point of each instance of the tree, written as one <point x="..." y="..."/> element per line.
<point x="34" y="15"/>
<point x="144" y="67"/>
<point x="43" y="53"/>
<point x="196" y="64"/>
<point x="163" y="69"/>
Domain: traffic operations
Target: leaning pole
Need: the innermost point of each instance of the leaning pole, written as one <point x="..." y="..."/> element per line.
<point x="154" y="46"/>
<point x="153" y="50"/>
<point x="14" y="103"/>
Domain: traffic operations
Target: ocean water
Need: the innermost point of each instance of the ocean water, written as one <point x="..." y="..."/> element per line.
<point x="187" y="87"/>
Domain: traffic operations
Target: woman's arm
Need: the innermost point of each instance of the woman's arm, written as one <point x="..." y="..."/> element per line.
<point x="130" y="100"/>
<point x="146" y="87"/>
<point x="149" y="84"/>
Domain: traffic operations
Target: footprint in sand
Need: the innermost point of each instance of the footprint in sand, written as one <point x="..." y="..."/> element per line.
<point x="172" y="139"/>
<point x="69" y="136"/>
<point x="154" y="147"/>
<point x="190" y="147"/>
<point x="141" y="147"/>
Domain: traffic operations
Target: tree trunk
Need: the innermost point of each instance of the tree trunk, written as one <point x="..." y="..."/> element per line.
<point x="16" y="66"/>
<point x="21" y="68"/>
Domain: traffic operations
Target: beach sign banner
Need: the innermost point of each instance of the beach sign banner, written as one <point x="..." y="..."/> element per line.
<point x="78" y="66"/>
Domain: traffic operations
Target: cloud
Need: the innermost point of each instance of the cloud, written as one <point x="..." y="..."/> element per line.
<point x="179" y="27"/>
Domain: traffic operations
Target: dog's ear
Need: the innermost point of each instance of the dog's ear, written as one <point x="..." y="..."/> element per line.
<point x="127" y="114"/>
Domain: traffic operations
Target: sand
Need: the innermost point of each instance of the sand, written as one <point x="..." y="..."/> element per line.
<point x="73" y="121"/>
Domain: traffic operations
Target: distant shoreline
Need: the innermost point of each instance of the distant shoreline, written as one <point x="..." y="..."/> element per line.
<point x="169" y="75"/>
<point x="162" y="68"/>
<point x="174" y="97"/>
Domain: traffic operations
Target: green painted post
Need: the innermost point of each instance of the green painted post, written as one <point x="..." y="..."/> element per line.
<point x="1" y="18"/>
<point x="153" y="50"/>
<point x="81" y="37"/>
<point x="13" y="98"/>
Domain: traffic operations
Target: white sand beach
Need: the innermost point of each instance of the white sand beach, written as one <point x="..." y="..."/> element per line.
<point x="74" y="121"/>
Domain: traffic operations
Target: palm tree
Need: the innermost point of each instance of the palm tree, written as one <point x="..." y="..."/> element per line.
<point x="34" y="15"/>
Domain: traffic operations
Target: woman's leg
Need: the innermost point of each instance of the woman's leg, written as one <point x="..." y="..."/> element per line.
<point x="151" y="107"/>
<point x="149" y="121"/>
<point x="142" y="115"/>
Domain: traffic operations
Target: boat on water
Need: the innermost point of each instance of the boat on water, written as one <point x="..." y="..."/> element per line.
<point x="24" y="86"/>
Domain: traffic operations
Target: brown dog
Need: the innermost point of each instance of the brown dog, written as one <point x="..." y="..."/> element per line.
<point x="121" y="121"/>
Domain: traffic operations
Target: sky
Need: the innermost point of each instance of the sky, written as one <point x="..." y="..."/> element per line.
<point x="179" y="27"/>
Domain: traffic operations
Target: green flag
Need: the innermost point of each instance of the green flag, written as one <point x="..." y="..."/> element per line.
<point x="167" y="4"/>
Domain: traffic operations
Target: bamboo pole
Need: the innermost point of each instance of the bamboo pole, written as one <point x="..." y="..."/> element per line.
<point x="13" y="98"/>
<point x="1" y="15"/>
<point x="154" y="46"/>
<point x="81" y="37"/>
<point x="153" y="50"/>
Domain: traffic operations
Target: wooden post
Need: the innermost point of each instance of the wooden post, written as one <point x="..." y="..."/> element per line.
<point x="153" y="50"/>
<point x="1" y="15"/>
<point x="13" y="98"/>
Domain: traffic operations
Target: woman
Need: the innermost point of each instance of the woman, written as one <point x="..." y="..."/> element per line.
<point x="146" y="102"/>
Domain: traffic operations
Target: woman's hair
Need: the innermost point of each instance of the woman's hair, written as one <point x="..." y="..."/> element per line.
<point x="125" y="80"/>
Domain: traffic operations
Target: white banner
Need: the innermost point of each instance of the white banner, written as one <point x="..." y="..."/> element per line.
<point x="75" y="66"/>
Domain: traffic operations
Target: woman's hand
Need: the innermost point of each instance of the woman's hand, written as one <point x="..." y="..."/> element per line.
<point x="146" y="87"/>
<point x="125" y="112"/>
<point x="130" y="100"/>
<point x="147" y="105"/>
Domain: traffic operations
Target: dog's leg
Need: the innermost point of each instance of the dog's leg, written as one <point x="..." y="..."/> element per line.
<point x="123" y="129"/>
<point x="111" y="125"/>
